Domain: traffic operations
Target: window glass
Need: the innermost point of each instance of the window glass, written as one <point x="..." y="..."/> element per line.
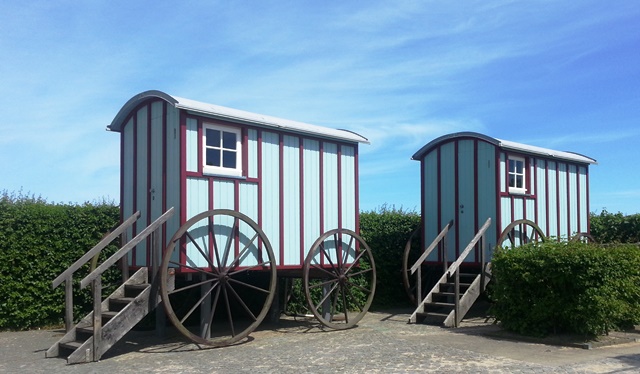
<point x="516" y="175"/>
<point x="222" y="153"/>
<point x="213" y="138"/>
<point x="228" y="140"/>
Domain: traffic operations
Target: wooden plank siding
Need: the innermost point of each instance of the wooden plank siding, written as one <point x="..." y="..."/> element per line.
<point x="465" y="178"/>
<point x="294" y="186"/>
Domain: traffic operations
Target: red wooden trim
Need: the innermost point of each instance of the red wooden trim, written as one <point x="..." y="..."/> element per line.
<point x="245" y="151"/>
<point x="423" y="191"/>
<point x="586" y="174"/>
<point x="122" y="162"/>
<point x="183" y="180"/>
<point x="259" y="164"/>
<point x="301" y="196"/>
<point x="476" y="211"/>
<point x="498" y="199"/>
<point x="134" y="227"/>
<point x="236" y="207"/>
<point x="536" y="201"/>
<point x="340" y="186"/>
<point x="558" y="198"/>
<point x="357" y="187"/>
<point x="456" y="183"/>
<point x="281" y="196"/>
<point x="439" y="220"/>
<point x="164" y="170"/>
<point x="321" y="171"/>
<point x="568" y="201"/>
<point x="149" y="187"/>
<point x="200" y="147"/>
<point x="546" y="187"/>
<point x="578" y="196"/>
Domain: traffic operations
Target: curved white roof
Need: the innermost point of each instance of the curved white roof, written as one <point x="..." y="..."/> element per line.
<point x="507" y="145"/>
<point x="232" y="115"/>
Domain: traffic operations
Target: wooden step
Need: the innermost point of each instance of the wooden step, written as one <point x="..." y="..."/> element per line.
<point x="117" y="303"/>
<point x="432" y="318"/>
<point x="108" y="314"/>
<point x="72" y="345"/>
<point x="133" y="290"/>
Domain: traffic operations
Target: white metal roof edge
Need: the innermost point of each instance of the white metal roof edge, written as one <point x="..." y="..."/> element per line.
<point x="509" y="145"/>
<point x="530" y="149"/>
<point x="235" y="115"/>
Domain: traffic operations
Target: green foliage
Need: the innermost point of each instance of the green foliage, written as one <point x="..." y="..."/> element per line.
<point x="38" y="241"/>
<point x="615" y="227"/>
<point x="566" y="287"/>
<point x="387" y="231"/>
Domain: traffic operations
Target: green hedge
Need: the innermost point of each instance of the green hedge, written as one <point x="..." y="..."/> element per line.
<point x="386" y="230"/>
<point x="615" y="227"/>
<point x="38" y="241"/>
<point x="566" y="287"/>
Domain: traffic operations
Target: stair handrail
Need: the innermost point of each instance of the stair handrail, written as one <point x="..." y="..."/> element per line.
<point x="67" y="275"/>
<point x="95" y="277"/>
<point x="453" y="269"/>
<point x="417" y="265"/>
<point x="430" y="248"/>
<point x="456" y="264"/>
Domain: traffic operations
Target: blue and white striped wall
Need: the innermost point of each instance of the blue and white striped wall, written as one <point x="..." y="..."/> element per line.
<point x="295" y="186"/>
<point x="464" y="178"/>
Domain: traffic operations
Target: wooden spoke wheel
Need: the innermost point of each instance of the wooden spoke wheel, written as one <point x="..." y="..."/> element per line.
<point x="521" y="232"/>
<point x="583" y="237"/>
<point x="339" y="277"/>
<point x="225" y="277"/>
<point x="411" y="254"/>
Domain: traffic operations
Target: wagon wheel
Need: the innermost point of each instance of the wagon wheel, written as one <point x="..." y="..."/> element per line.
<point x="339" y="278"/>
<point x="521" y="232"/>
<point x="226" y="254"/>
<point x="583" y="237"/>
<point x="408" y="259"/>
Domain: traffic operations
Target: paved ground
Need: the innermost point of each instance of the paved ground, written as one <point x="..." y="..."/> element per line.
<point x="383" y="343"/>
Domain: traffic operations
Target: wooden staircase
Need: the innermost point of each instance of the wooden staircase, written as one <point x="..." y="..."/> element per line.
<point x="116" y="315"/>
<point x="455" y="292"/>
<point x="121" y="311"/>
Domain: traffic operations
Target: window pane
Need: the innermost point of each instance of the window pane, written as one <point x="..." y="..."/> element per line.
<point x="512" y="166"/>
<point x="519" y="183"/>
<point x="228" y="140"/>
<point x="213" y="157"/>
<point x="213" y="138"/>
<point x="519" y="167"/>
<point x="512" y="181"/>
<point x="229" y="159"/>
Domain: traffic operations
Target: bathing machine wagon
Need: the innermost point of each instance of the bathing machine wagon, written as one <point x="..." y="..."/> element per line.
<point x="478" y="192"/>
<point x="237" y="200"/>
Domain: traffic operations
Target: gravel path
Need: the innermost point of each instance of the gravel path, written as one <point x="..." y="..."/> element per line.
<point x="383" y="343"/>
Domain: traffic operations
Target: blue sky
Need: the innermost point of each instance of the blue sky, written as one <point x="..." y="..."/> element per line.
<point x="557" y="74"/>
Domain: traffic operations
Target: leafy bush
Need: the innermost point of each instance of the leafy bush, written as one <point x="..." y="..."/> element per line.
<point x="38" y="241"/>
<point x="386" y="231"/>
<point x="615" y="227"/>
<point x="566" y="287"/>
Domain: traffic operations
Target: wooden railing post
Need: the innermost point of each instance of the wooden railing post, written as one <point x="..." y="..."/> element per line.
<point x="97" y="318"/>
<point x="457" y="296"/>
<point x="68" y="302"/>
<point x="419" y="285"/>
<point x="483" y="244"/>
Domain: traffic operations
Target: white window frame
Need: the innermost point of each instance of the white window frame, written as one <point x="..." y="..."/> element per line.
<point x="220" y="170"/>
<point x="514" y="189"/>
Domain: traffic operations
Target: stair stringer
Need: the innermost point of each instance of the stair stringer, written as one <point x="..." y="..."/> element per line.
<point x="84" y="353"/>
<point x="468" y="298"/>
